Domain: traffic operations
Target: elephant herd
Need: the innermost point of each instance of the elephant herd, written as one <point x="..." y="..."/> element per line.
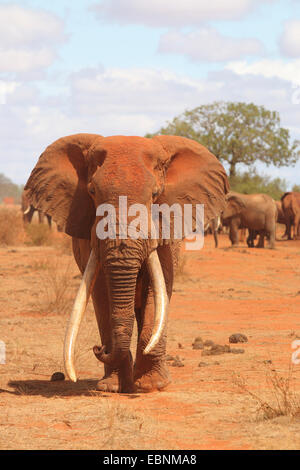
<point x="131" y="278"/>
<point x="259" y="213"/>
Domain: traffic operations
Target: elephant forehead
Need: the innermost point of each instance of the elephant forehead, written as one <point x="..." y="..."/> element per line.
<point x="125" y="148"/>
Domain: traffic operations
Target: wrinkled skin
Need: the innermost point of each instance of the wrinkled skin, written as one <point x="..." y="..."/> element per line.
<point x="291" y="209"/>
<point x="72" y="178"/>
<point x="30" y="210"/>
<point x="257" y="212"/>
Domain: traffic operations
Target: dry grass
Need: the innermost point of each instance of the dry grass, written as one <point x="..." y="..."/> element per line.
<point x="11" y="226"/>
<point x="59" y="283"/>
<point x="38" y="235"/>
<point x="181" y="272"/>
<point x="281" y="400"/>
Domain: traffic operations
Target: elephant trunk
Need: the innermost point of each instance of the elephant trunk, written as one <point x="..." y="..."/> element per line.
<point x="121" y="283"/>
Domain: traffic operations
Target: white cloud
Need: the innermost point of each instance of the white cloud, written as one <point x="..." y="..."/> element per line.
<point x="290" y="39"/>
<point x="207" y="44"/>
<point x="268" y="68"/>
<point x="158" y="13"/>
<point x="6" y="88"/>
<point x="23" y="60"/>
<point x="126" y="101"/>
<point x="28" y="38"/>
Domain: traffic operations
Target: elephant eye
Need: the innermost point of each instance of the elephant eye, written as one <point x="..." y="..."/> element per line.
<point x="91" y="189"/>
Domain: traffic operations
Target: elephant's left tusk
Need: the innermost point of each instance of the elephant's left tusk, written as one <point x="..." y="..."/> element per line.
<point x="161" y="300"/>
<point x="82" y="298"/>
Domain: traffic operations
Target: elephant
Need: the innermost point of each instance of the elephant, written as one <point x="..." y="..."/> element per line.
<point x="290" y="202"/>
<point x="128" y="278"/>
<point x="214" y="225"/>
<point x="257" y="212"/>
<point x="28" y="210"/>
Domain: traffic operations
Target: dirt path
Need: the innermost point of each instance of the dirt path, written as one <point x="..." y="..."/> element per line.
<point x="218" y="292"/>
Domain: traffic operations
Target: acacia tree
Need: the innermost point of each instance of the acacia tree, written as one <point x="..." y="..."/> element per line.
<point x="237" y="133"/>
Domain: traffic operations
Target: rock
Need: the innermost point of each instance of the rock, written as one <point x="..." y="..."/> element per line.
<point x="198" y="343"/>
<point x="57" y="376"/>
<point x="177" y="362"/>
<point x="237" y="351"/>
<point x="169" y="358"/>
<point x="208" y="343"/>
<point x="202" y="364"/>
<point x="216" y="349"/>
<point x="238" y="338"/>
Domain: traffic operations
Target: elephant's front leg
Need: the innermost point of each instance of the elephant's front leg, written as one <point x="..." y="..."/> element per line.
<point x="81" y="250"/>
<point x="234" y="232"/>
<point x="109" y="382"/>
<point x="150" y="370"/>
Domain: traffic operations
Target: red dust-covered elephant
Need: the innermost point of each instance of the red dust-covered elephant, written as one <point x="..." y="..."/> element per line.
<point x="127" y="278"/>
<point x="290" y="203"/>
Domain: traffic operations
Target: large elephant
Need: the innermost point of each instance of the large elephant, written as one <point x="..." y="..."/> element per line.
<point x="257" y="212"/>
<point x="126" y="277"/>
<point x="28" y="211"/>
<point x="290" y="202"/>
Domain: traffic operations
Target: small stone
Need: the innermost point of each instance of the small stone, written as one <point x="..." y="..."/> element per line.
<point x="198" y="345"/>
<point x="57" y="376"/>
<point x="209" y="344"/>
<point x="238" y="338"/>
<point x="177" y="362"/>
<point x="169" y="358"/>
<point x="237" y="351"/>
<point x="180" y="346"/>
<point x="202" y="364"/>
<point x="216" y="349"/>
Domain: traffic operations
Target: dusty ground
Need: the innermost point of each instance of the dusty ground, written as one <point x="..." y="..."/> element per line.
<point x="219" y="292"/>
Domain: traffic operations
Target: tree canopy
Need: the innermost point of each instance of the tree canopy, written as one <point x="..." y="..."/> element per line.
<point x="9" y="189"/>
<point x="237" y="133"/>
<point x="250" y="183"/>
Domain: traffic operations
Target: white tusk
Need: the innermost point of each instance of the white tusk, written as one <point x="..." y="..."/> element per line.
<point x="161" y="300"/>
<point x="27" y="210"/>
<point x="82" y="298"/>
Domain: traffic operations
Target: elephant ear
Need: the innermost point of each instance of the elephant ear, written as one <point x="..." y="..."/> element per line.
<point x="235" y="204"/>
<point x="193" y="176"/>
<point x="58" y="184"/>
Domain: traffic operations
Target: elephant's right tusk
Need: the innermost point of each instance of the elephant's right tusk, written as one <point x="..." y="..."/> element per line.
<point x="82" y="298"/>
<point x="161" y="300"/>
<point x="26" y="210"/>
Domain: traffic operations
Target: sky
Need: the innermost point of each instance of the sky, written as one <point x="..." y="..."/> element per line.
<point x="128" y="67"/>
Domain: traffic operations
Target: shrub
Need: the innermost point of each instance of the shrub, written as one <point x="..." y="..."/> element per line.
<point x="11" y="226"/>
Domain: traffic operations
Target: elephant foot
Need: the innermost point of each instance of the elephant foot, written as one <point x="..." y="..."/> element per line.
<point x="155" y="379"/>
<point x="108" y="383"/>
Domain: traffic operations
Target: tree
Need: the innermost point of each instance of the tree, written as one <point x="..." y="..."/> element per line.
<point x="296" y="188"/>
<point x="237" y="133"/>
<point x="250" y="183"/>
<point x="9" y="189"/>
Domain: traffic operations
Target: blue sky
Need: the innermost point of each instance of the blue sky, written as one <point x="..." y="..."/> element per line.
<point x="129" y="66"/>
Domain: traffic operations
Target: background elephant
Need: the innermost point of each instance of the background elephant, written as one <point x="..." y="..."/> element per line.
<point x="257" y="212"/>
<point x="291" y="208"/>
<point x="214" y="225"/>
<point x="127" y="278"/>
<point x="28" y="211"/>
